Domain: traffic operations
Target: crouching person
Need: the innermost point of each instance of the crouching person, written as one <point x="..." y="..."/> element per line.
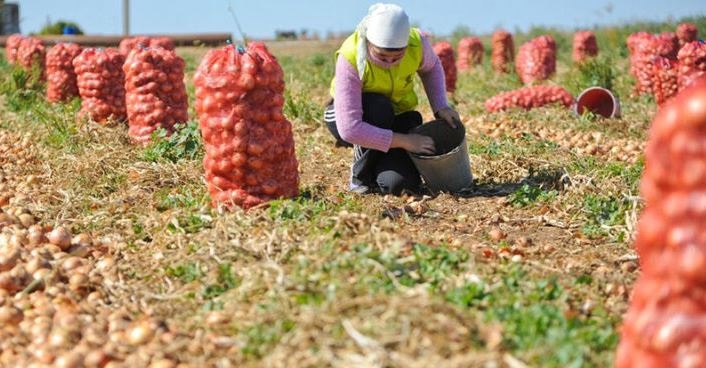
<point x="373" y="100"/>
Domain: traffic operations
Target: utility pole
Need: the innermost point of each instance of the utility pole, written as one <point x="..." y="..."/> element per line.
<point x="126" y="18"/>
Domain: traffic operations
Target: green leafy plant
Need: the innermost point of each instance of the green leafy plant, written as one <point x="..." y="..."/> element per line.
<point x="528" y="194"/>
<point x="22" y="89"/>
<point x="186" y="273"/>
<point x="603" y="213"/>
<point x="226" y="281"/>
<point x="597" y="71"/>
<point x="184" y="143"/>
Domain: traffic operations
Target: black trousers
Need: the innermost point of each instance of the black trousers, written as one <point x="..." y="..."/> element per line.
<point x="390" y="172"/>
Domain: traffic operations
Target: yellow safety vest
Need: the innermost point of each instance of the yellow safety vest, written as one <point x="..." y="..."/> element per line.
<point x="397" y="82"/>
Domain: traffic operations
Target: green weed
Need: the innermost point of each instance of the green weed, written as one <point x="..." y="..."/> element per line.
<point x="183" y="144"/>
<point x="528" y="194"/>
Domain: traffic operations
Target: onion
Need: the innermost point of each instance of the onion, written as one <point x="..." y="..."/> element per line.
<point x="10" y="316"/>
<point x="163" y="363"/>
<point x="496" y="234"/>
<point x="60" y="237"/>
<point x="140" y="333"/>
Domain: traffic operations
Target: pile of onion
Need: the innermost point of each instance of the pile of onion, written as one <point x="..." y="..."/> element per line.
<point x="529" y="97"/>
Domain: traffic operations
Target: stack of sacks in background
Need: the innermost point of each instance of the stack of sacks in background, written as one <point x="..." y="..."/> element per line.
<point x="155" y="92"/>
<point x="129" y="44"/>
<point x="687" y="32"/>
<point x="503" y="51"/>
<point x="692" y="62"/>
<point x="31" y="55"/>
<point x="445" y="52"/>
<point x="666" y="323"/>
<point x="585" y="46"/>
<point x="644" y="50"/>
<point x="61" y="77"/>
<point x="536" y="59"/>
<point x="470" y="53"/>
<point x="101" y="84"/>
<point x="12" y="45"/>
<point x="528" y="98"/>
<point x="250" y="156"/>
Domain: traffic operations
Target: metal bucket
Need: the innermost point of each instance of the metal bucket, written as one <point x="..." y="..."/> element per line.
<point x="450" y="169"/>
<point x="599" y="101"/>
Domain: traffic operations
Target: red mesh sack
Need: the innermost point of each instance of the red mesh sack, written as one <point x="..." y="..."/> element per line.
<point x="470" y="53"/>
<point x="585" y="46"/>
<point x="155" y="94"/>
<point x="12" y="45"/>
<point x="131" y="43"/>
<point x="250" y="156"/>
<point x="692" y="62"/>
<point x="503" y="51"/>
<point x="101" y="84"/>
<point x="61" y="77"/>
<point x="529" y="97"/>
<point x="687" y="32"/>
<point x="664" y="79"/>
<point x="162" y="42"/>
<point x="643" y="52"/>
<point x="665" y="325"/>
<point x="128" y="44"/>
<point x="31" y="54"/>
<point x="445" y="52"/>
<point x="667" y="45"/>
<point x="644" y="49"/>
<point x="536" y="59"/>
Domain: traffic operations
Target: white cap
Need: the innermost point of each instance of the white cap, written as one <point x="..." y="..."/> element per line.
<point x="387" y="26"/>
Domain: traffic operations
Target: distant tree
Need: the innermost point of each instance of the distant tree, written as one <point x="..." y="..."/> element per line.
<point x="57" y="28"/>
<point x="460" y="31"/>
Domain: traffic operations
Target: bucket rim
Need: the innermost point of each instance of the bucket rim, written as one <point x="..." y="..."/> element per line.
<point x="439" y="157"/>
<point x="615" y="113"/>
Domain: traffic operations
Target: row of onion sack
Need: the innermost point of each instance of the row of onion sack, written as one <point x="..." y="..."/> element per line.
<point x="249" y="145"/>
<point x="141" y="82"/>
<point x="536" y="59"/>
<point x="661" y="64"/>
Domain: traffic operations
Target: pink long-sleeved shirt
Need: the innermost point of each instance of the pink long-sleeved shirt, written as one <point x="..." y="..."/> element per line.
<point x="348" y="96"/>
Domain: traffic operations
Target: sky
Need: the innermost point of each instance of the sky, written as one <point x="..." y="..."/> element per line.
<point x="260" y="18"/>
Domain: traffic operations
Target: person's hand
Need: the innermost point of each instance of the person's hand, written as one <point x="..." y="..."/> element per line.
<point x="450" y="116"/>
<point x="415" y="143"/>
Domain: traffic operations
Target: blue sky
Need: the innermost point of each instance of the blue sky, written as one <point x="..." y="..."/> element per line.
<point x="260" y="18"/>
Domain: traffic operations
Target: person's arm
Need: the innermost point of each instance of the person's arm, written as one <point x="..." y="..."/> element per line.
<point x="348" y="106"/>
<point x="432" y="74"/>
